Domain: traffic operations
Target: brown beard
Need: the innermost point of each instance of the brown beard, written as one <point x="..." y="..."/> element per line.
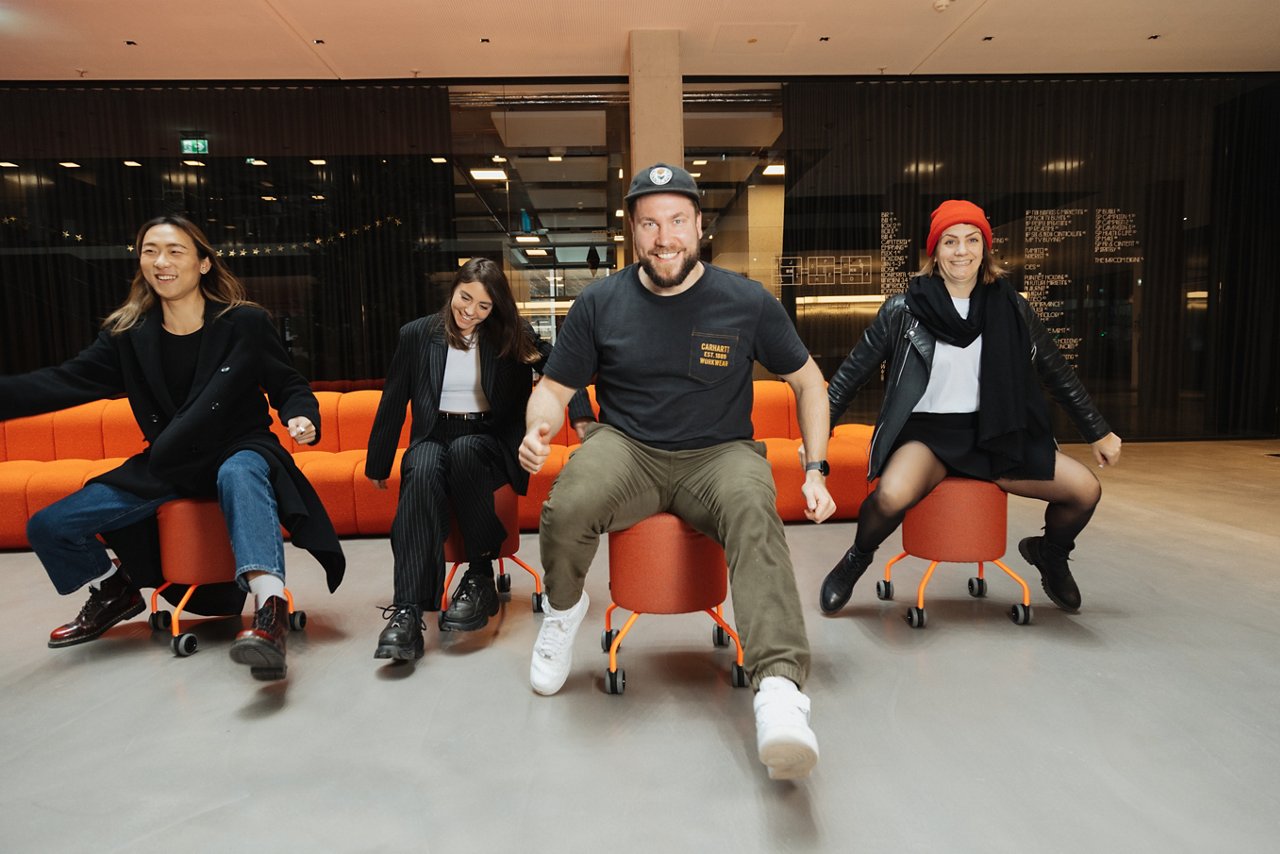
<point x="663" y="283"/>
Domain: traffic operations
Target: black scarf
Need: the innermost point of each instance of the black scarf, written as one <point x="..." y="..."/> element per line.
<point x="1013" y="421"/>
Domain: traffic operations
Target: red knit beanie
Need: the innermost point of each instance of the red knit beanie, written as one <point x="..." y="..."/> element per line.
<point x="956" y="212"/>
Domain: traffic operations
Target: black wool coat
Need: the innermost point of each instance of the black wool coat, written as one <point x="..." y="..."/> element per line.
<point x="241" y="356"/>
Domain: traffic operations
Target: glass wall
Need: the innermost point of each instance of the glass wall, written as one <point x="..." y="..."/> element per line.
<point x="1136" y="213"/>
<point x="1121" y="209"/>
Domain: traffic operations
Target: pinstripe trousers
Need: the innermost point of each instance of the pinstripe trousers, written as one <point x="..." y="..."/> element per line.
<point x="458" y="468"/>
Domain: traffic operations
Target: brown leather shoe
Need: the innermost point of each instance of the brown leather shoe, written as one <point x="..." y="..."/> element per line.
<point x="117" y="599"/>
<point x="262" y="646"/>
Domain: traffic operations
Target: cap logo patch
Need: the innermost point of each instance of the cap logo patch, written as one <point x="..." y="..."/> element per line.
<point x="660" y="175"/>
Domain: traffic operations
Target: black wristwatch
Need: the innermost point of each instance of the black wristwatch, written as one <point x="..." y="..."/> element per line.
<point x="819" y="466"/>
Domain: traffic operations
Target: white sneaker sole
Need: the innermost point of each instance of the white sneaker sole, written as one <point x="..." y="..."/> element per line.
<point x="789" y="755"/>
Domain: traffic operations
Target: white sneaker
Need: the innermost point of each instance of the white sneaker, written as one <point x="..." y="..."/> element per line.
<point x="784" y="741"/>
<point x="553" y="650"/>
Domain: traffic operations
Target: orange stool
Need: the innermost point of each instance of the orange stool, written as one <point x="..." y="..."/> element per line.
<point x="660" y="565"/>
<point x="455" y="552"/>
<point x="195" y="549"/>
<point x="961" y="521"/>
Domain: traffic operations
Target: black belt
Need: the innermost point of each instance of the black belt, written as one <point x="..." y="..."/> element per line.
<point x="464" y="416"/>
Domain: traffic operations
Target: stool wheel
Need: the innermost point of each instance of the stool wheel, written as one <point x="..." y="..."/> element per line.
<point x="977" y="587"/>
<point x="160" y="620"/>
<point x="537" y="603"/>
<point x="719" y="637"/>
<point x="184" y="644"/>
<point x="1020" y="614"/>
<point x="606" y="639"/>
<point x="916" y="617"/>
<point x="504" y="583"/>
<point x="615" y="682"/>
<point x="739" y="677"/>
<point x="884" y="590"/>
<point x="298" y="621"/>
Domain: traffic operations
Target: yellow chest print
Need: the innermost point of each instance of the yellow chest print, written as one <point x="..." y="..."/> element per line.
<point x="715" y="355"/>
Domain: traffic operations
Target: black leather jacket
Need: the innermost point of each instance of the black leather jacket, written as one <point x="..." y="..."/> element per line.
<point x="899" y="340"/>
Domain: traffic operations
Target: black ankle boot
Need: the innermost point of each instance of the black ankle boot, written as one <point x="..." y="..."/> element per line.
<point x="402" y="639"/>
<point x="837" y="587"/>
<point x="474" y="602"/>
<point x="1055" y="575"/>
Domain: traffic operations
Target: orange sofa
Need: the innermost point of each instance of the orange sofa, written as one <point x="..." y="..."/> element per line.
<point x="46" y="457"/>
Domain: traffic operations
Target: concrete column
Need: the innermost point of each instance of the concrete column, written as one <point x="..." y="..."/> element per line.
<point x="657" y="107"/>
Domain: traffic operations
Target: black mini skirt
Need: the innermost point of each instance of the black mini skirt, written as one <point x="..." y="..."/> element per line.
<point x="953" y="438"/>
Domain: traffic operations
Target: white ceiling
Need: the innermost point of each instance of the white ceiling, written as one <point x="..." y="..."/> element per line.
<point x="378" y="39"/>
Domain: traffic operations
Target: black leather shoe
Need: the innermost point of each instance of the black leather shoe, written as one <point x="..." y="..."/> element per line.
<point x="837" y="587"/>
<point x="1055" y="575"/>
<point x="117" y="599"/>
<point x="474" y="602"/>
<point x="401" y="640"/>
<point x="262" y="646"/>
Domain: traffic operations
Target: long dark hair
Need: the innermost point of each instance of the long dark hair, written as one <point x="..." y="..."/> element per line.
<point x="219" y="284"/>
<point x="504" y="325"/>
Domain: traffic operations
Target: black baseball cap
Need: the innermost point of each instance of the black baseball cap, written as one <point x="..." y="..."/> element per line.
<point x="662" y="178"/>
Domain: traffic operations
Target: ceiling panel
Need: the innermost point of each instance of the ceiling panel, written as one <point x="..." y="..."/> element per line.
<point x="329" y="39"/>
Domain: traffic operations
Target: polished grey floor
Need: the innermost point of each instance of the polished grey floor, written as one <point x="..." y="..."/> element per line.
<point x="1146" y="723"/>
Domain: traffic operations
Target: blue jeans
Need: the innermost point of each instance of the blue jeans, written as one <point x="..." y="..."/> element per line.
<point x="64" y="535"/>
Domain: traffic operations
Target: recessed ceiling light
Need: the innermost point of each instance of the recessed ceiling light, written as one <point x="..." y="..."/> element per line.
<point x="554" y="158"/>
<point x="269" y="199"/>
<point x="193" y="163"/>
<point x="317" y="197"/>
<point x="695" y="174"/>
<point x="699" y="163"/>
<point x="439" y="160"/>
<point x="921" y="167"/>
<point x="775" y="169"/>
<point x="132" y="163"/>
<point x="498" y="158"/>
<point x="528" y="238"/>
<point x="253" y="161"/>
<point x="536" y="252"/>
<point x="5" y="164"/>
<point x="69" y="164"/>
<point x="318" y="161"/>
<point x="489" y="174"/>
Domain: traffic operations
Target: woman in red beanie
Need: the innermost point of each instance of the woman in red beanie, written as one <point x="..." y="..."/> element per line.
<point x="966" y="357"/>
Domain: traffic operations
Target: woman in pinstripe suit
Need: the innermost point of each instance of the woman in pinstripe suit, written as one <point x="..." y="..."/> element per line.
<point x="467" y="372"/>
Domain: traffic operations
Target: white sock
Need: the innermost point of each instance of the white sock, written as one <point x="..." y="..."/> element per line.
<point x="96" y="583"/>
<point x="264" y="585"/>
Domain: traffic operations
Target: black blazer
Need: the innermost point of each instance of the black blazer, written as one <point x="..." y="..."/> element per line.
<point x="417" y="375"/>
<point x="241" y="356"/>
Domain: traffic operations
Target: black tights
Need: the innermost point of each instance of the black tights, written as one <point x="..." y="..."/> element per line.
<point x="913" y="471"/>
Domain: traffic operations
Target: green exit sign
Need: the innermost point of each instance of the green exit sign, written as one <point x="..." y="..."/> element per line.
<point x="195" y="146"/>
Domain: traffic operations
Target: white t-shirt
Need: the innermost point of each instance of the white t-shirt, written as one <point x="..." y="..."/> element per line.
<point x="954" y="378"/>
<point x="461" y="390"/>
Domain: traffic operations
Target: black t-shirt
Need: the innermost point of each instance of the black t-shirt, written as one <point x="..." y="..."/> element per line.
<point x="674" y="372"/>
<point x="178" y="355"/>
